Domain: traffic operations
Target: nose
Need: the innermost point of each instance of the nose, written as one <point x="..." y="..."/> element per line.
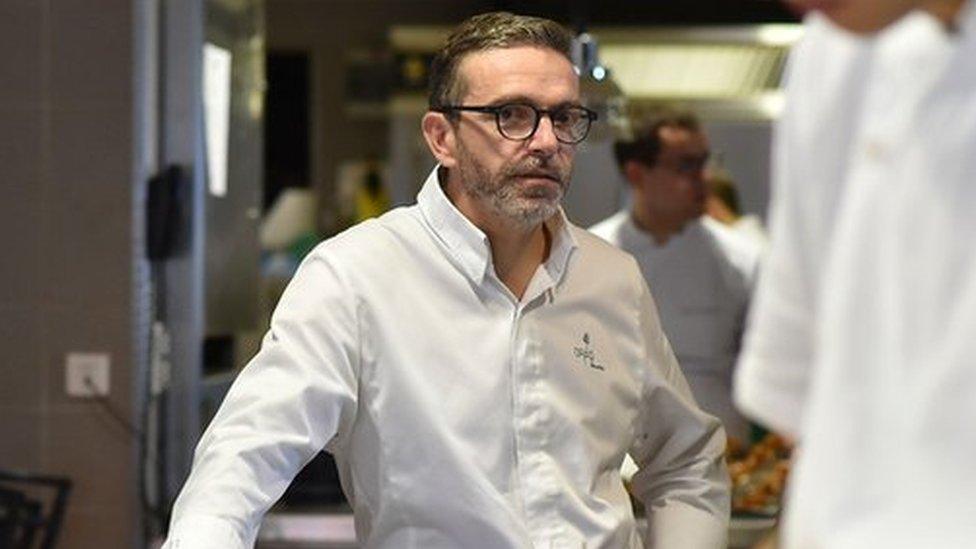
<point x="698" y="174"/>
<point x="543" y="141"/>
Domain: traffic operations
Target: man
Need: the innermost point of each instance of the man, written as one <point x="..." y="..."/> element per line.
<point x="477" y="365"/>
<point x="700" y="272"/>
<point x="861" y="345"/>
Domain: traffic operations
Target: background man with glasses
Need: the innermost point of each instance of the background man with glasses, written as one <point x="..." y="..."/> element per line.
<point x="478" y="365"/>
<point x="700" y="272"/>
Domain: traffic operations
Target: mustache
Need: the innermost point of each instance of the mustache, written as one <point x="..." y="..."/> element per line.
<point x="535" y="169"/>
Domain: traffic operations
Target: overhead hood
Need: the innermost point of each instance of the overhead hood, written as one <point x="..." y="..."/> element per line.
<point x="720" y="72"/>
<point x="727" y="72"/>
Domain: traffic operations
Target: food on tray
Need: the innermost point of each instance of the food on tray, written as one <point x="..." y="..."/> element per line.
<point x="759" y="475"/>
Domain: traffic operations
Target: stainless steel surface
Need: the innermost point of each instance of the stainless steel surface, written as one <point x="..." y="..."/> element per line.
<point x="328" y="528"/>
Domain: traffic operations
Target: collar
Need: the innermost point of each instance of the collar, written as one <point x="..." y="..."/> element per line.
<point x="562" y="246"/>
<point x="633" y="237"/>
<point x="469" y="246"/>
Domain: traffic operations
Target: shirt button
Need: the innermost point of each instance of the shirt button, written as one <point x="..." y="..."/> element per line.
<point x="875" y="150"/>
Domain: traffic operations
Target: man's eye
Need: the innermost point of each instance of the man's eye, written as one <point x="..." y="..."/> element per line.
<point x="565" y="117"/>
<point x="514" y="113"/>
<point x="692" y="164"/>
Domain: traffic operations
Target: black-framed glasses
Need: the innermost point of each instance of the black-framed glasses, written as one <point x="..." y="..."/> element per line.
<point x="519" y="121"/>
<point x="687" y="165"/>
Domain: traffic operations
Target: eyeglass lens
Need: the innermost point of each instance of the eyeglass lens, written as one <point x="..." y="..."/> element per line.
<point x="520" y="121"/>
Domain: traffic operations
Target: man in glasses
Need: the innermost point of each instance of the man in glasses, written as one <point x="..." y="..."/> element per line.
<point x="862" y="341"/>
<point x="701" y="273"/>
<point x="478" y="366"/>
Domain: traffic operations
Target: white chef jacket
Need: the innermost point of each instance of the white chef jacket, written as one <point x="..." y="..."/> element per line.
<point x="751" y="228"/>
<point x="863" y="338"/>
<point x="701" y="279"/>
<point x="459" y="415"/>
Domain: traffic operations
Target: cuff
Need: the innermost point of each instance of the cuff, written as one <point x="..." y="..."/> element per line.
<point x="770" y="402"/>
<point x="203" y="532"/>
<point x="680" y="526"/>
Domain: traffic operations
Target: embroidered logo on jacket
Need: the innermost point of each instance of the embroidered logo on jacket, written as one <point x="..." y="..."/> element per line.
<point x="586" y="354"/>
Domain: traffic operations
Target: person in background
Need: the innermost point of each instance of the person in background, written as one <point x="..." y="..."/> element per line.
<point x="478" y="365"/>
<point x="700" y="272"/>
<point x="722" y="205"/>
<point x="861" y="343"/>
<point x="371" y="199"/>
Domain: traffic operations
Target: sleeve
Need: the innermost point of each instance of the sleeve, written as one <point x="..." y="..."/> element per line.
<point x="771" y="376"/>
<point x="679" y="451"/>
<point x="298" y="394"/>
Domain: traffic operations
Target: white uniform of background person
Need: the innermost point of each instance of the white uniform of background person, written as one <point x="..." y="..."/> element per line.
<point x="863" y="339"/>
<point x="701" y="280"/>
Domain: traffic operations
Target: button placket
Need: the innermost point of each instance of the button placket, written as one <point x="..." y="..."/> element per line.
<point x="540" y="491"/>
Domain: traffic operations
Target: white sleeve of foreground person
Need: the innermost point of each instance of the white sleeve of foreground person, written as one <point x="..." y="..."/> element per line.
<point x="812" y="142"/>
<point x="295" y="397"/>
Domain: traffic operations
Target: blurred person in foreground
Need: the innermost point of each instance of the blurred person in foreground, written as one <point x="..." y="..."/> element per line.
<point x="478" y="365"/>
<point x="699" y="271"/>
<point x="861" y="345"/>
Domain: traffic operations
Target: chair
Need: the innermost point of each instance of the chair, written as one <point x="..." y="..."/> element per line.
<point x="23" y="523"/>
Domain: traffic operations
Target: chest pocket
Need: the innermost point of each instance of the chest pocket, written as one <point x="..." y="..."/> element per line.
<point x="592" y="379"/>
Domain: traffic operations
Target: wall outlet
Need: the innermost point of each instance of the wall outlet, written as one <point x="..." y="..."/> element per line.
<point x="87" y="374"/>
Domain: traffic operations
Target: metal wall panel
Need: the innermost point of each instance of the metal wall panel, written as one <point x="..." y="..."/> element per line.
<point x="232" y="249"/>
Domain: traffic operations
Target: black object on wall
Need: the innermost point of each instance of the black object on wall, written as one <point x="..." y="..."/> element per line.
<point x="165" y="212"/>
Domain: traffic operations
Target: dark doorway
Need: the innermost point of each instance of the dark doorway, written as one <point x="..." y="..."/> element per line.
<point x="286" y="143"/>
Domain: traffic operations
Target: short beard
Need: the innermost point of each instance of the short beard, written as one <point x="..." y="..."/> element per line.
<point x="502" y="192"/>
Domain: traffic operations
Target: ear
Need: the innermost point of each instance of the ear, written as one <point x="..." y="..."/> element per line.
<point x="634" y="172"/>
<point x="440" y="137"/>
